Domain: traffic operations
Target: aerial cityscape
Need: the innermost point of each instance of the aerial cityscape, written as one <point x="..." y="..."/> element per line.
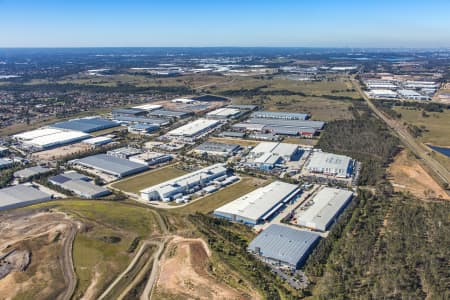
<point x="207" y="162"/>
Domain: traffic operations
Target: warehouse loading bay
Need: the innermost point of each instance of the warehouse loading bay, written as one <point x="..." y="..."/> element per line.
<point x="286" y="214"/>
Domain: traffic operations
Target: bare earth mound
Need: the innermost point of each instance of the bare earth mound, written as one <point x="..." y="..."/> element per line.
<point x="31" y="247"/>
<point x="184" y="273"/>
<point x="407" y="175"/>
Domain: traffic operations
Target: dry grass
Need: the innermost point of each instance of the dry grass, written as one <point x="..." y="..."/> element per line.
<point x="209" y="203"/>
<point x="437" y="125"/>
<point x="136" y="183"/>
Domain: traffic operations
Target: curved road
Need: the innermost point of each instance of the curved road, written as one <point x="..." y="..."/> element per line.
<point x="440" y="171"/>
<point x="146" y="294"/>
<point x="67" y="267"/>
<point x="155" y="257"/>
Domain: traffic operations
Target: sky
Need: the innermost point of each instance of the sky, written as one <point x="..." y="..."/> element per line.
<point x="215" y="23"/>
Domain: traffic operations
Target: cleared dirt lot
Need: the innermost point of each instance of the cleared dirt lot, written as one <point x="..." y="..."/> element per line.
<point x="407" y="175"/>
<point x="44" y="235"/>
<point x="184" y="273"/>
<point x="62" y="152"/>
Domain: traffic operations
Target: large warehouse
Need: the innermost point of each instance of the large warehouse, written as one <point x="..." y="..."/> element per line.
<point x="167" y="113"/>
<point x="142" y="120"/>
<point x="151" y="158"/>
<point x="283" y="246"/>
<point x="115" y="166"/>
<point x="32" y="171"/>
<point x="85" y="189"/>
<point x="330" y="164"/>
<point x="86" y="124"/>
<point x="169" y="190"/>
<point x="21" y="195"/>
<point x="260" y="204"/>
<point x="267" y="155"/>
<point x="194" y="129"/>
<point x="45" y="138"/>
<point x="217" y="149"/>
<point x="305" y="128"/>
<point x="224" y="113"/>
<point x="280" y="115"/>
<point x="327" y="205"/>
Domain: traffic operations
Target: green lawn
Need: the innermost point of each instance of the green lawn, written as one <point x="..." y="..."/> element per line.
<point x="136" y="183"/>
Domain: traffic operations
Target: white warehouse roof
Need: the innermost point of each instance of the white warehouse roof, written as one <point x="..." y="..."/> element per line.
<point x="329" y="164"/>
<point x="148" y="107"/>
<point x="99" y="140"/>
<point x="167" y="189"/>
<point x="328" y="204"/>
<point x="409" y="93"/>
<point x="60" y="137"/>
<point x="254" y="206"/>
<point x="282" y="149"/>
<point x="194" y="128"/>
<point x="223" y="112"/>
<point x="29" y="135"/>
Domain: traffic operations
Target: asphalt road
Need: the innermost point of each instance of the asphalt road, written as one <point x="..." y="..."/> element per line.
<point x="439" y="171"/>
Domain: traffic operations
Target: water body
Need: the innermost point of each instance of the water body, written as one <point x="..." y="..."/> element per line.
<point x="442" y="150"/>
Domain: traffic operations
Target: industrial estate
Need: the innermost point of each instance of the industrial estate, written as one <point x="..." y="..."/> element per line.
<point x="250" y="168"/>
<point x="95" y="176"/>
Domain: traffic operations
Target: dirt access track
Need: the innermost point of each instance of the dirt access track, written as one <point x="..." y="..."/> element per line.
<point x="184" y="275"/>
<point x="48" y="237"/>
<point x="407" y="175"/>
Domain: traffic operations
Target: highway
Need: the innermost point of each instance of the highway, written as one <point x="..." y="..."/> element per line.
<point x="408" y="140"/>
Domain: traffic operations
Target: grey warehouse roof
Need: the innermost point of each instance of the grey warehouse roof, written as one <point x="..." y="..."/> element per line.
<point x="284" y="244"/>
<point x="280" y="115"/>
<point x="32" y="171"/>
<point x="287" y="123"/>
<point x="217" y="147"/>
<point x="84" y="188"/>
<point x="86" y="125"/>
<point x="64" y="177"/>
<point x="243" y="106"/>
<point x="128" y="111"/>
<point x="169" y="113"/>
<point x="21" y="195"/>
<point x="155" y="121"/>
<point x="112" y="165"/>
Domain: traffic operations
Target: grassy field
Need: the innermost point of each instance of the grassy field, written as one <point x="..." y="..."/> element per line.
<point x="314" y="100"/>
<point x="437" y="125"/>
<point x="241" y="142"/>
<point x="136" y="183"/>
<point x="228" y="194"/>
<point x="97" y="258"/>
<point x="301" y="142"/>
<point x="139" y="79"/>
